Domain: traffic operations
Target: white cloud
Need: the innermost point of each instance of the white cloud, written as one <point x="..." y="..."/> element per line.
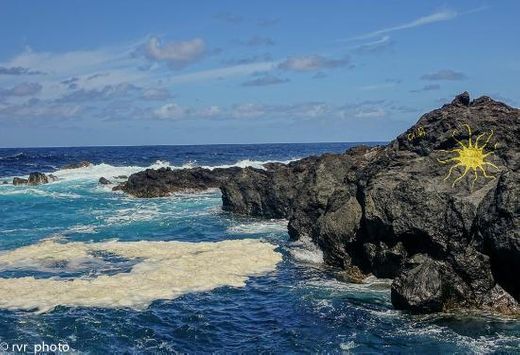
<point x="170" y="111"/>
<point x="440" y="16"/>
<point x="445" y="74"/>
<point x="22" y="89"/>
<point x="312" y="63"/>
<point x="177" y="54"/>
<point x="221" y="73"/>
<point x="370" y="113"/>
<point x="37" y="109"/>
<point x="156" y="94"/>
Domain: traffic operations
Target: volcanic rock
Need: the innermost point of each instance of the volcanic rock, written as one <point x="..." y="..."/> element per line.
<point x="19" y="181"/>
<point x="437" y="209"/>
<point x="104" y="181"/>
<point x="81" y="164"/>
<point x="37" y="178"/>
<point x="397" y="212"/>
<point x="165" y="181"/>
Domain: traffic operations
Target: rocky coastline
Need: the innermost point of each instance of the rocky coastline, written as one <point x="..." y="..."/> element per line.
<point x="448" y="242"/>
<point x="437" y="209"/>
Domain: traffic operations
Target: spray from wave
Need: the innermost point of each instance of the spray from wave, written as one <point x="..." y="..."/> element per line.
<point x="164" y="271"/>
<point x="110" y="171"/>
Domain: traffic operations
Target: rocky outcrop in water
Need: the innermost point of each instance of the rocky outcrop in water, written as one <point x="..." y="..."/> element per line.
<point x="104" y="181"/>
<point x="165" y="181"/>
<point x="35" y="178"/>
<point x="81" y="164"/>
<point x="448" y="242"/>
<point x="437" y="209"/>
<point x="19" y="181"/>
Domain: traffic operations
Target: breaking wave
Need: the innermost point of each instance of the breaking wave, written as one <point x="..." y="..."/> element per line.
<point x="304" y="250"/>
<point x="95" y="171"/>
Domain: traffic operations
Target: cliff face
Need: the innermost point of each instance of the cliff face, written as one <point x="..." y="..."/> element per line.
<point x="437" y="209"/>
<point x="447" y="241"/>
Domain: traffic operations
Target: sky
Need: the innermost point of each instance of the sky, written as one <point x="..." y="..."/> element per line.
<point x="128" y="72"/>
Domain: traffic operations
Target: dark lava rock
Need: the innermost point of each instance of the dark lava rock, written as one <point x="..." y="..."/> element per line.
<point x="81" y="164"/>
<point x="38" y="179"/>
<point x="19" y="181"/>
<point x="121" y="177"/>
<point x="35" y="178"/>
<point x="5" y="182"/>
<point x="165" y="181"/>
<point x="104" y="181"/>
<point x="392" y="212"/>
<point x="448" y="240"/>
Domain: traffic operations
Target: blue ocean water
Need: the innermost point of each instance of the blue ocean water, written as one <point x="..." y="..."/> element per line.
<point x="299" y="307"/>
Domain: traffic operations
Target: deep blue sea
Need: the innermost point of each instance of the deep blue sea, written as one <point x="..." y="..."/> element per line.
<point x="109" y="300"/>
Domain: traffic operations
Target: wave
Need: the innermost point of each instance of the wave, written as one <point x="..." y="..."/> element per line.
<point x="95" y="171"/>
<point x="39" y="193"/>
<point x="16" y="156"/>
<point x="270" y="226"/>
<point x="306" y="251"/>
<point x="163" y="271"/>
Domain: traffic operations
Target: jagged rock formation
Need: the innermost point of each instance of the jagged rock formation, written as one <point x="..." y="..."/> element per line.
<point x="165" y="181"/>
<point x="448" y="240"/>
<point x="35" y="178"/>
<point x="19" y="181"/>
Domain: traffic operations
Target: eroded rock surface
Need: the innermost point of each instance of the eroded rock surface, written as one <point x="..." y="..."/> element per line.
<point x="391" y="211"/>
<point x="404" y="211"/>
<point x="35" y="178"/>
<point x="165" y="181"/>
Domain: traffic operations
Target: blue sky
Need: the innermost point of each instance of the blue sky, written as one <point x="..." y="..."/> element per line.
<point x="76" y="73"/>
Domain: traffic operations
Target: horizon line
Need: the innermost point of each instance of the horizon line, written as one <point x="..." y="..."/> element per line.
<point x="187" y="144"/>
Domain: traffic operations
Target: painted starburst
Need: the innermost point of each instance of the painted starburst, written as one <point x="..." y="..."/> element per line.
<point x="470" y="156"/>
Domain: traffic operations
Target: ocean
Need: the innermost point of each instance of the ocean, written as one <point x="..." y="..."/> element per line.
<point x="95" y="271"/>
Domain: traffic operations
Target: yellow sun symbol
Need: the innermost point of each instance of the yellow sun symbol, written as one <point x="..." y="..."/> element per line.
<point x="470" y="156"/>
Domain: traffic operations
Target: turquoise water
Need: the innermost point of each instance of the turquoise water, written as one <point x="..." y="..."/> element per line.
<point x="299" y="307"/>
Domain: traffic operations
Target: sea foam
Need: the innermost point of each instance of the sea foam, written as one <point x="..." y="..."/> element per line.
<point x="109" y="171"/>
<point x="164" y="271"/>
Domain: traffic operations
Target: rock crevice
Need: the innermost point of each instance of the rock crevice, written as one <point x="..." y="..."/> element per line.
<point x="447" y="234"/>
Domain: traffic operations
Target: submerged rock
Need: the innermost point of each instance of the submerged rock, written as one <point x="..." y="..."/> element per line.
<point x="104" y="181"/>
<point x="5" y="182"/>
<point x="81" y="164"/>
<point x="437" y="209"/>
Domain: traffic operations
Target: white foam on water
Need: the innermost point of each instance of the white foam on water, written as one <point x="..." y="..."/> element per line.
<point x="268" y="226"/>
<point x="164" y="271"/>
<point x="348" y="346"/>
<point x="95" y="171"/>
<point x="482" y="345"/>
<point x="33" y="191"/>
<point x="304" y="250"/>
<point x="370" y="284"/>
<point x="81" y="228"/>
<point x="133" y="214"/>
